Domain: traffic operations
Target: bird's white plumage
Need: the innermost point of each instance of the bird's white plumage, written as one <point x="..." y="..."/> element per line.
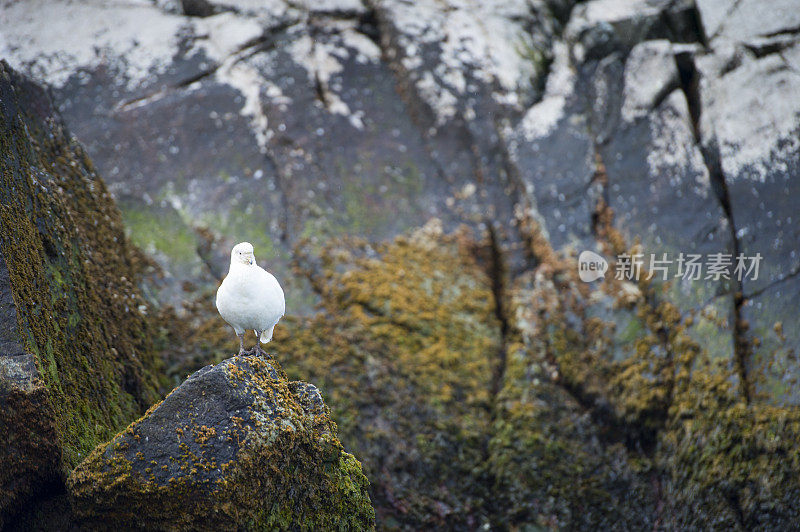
<point x="250" y="298"/>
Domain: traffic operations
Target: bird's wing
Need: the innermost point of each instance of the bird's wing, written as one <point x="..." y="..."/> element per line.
<point x="271" y="295"/>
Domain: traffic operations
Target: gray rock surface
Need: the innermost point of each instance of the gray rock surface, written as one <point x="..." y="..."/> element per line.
<point x="750" y="133"/>
<point x="278" y="122"/>
<point x="23" y="396"/>
<point x="235" y="446"/>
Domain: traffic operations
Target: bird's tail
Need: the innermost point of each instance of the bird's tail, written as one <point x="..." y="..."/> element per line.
<point x="266" y="336"/>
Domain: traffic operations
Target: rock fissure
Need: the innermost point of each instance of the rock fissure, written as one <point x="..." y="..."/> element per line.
<point x="755" y="293"/>
<point x="497" y="275"/>
<point x="248" y="49"/>
<point x="690" y="81"/>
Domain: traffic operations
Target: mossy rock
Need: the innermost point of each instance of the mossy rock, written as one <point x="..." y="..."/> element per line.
<point x="727" y="464"/>
<point x="78" y="359"/>
<point x="405" y="349"/>
<point x="561" y="418"/>
<point x="697" y="455"/>
<point x="236" y="446"/>
<point x="558" y="460"/>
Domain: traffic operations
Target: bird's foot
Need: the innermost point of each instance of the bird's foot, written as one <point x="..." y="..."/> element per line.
<point x="260" y="352"/>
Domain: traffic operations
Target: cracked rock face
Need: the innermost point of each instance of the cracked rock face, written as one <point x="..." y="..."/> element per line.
<point x="749" y="127"/>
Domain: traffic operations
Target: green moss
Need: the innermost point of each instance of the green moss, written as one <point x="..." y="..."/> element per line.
<point x="72" y="279"/>
<point x="730" y="464"/>
<point x="160" y="231"/>
<point x="603" y="414"/>
<point x="714" y="460"/>
<point x="244" y="223"/>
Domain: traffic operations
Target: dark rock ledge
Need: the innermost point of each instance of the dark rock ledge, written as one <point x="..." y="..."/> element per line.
<point x="235" y="446"/>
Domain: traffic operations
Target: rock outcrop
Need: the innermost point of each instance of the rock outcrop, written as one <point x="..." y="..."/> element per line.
<point x="236" y="446"/>
<point x="560" y="416"/>
<point x="77" y="361"/>
<point x="479" y="380"/>
<point x="347" y="111"/>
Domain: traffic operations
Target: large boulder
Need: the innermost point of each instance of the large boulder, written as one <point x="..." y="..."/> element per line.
<point x="236" y="446"/>
<point x="77" y="361"/>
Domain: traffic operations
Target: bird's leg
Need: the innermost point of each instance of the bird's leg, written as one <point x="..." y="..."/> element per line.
<point x="257" y="349"/>
<point x="241" y="344"/>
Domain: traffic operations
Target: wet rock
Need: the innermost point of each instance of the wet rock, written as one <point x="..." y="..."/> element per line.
<point x="77" y="360"/>
<point x="553" y="151"/>
<point x="772" y="327"/>
<point x="740" y="104"/>
<point x="139" y="104"/>
<point x="468" y="73"/>
<point x="235" y="446"/>
<point x="659" y="186"/>
<point x="601" y="27"/>
<point x="29" y="450"/>
<point x="567" y="433"/>
<point x="348" y="156"/>
<point x="750" y="129"/>
<point x="299" y="117"/>
<point x="724" y="461"/>
<point x="604" y="123"/>
<point x="409" y="370"/>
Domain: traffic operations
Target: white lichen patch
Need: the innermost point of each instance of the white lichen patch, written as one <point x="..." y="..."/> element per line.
<point x="53" y="39"/>
<point x="268" y="11"/>
<point x="137" y="41"/>
<point x="225" y="40"/>
<point x="323" y="60"/>
<point x="735" y="20"/>
<point x="650" y="70"/>
<point x="616" y="10"/>
<point x="484" y="41"/>
<point x="332" y="6"/>
<point x="673" y="149"/>
<point x="543" y="117"/>
<point x="598" y="12"/>
<point x="753" y="113"/>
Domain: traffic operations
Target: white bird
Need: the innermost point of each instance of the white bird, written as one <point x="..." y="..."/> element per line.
<point x="250" y="298"/>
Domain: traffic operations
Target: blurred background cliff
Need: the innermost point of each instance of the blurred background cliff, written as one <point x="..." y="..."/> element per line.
<point x="420" y="176"/>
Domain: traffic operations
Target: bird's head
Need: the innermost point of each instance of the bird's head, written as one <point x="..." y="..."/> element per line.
<point x="243" y="254"/>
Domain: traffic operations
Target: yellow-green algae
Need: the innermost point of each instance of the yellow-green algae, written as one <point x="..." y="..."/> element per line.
<point x="273" y="464"/>
<point x="554" y="465"/>
<point x="715" y="460"/>
<point x="404" y="349"/>
<point x="73" y="279"/>
<point x="606" y="413"/>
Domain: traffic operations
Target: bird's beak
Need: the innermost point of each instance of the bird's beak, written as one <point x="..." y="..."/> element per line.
<point x="251" y="259"/>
